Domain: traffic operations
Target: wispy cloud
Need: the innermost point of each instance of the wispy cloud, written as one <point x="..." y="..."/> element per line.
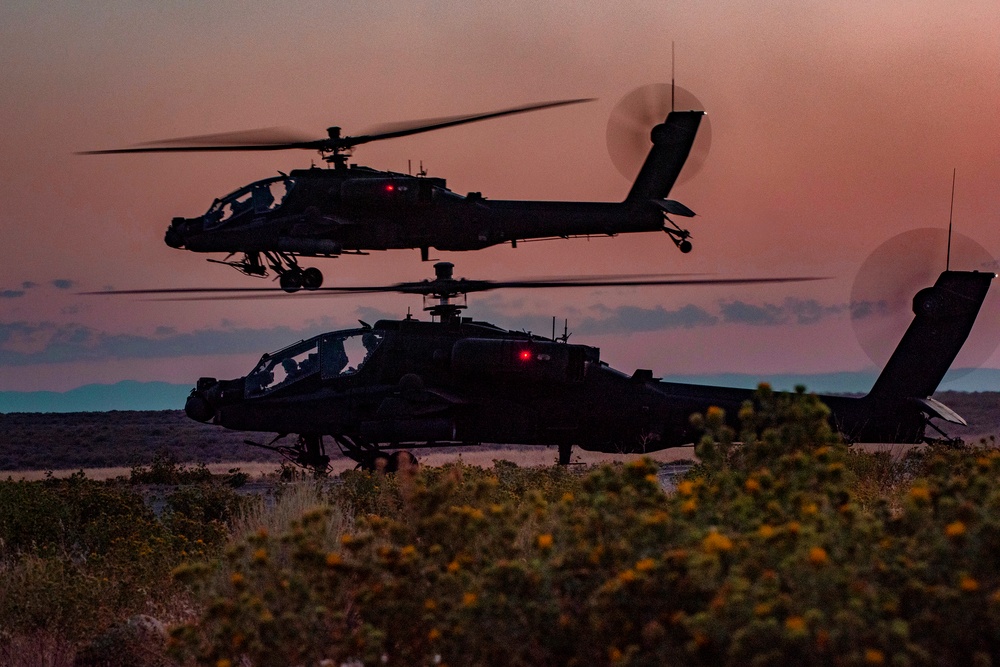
<point x="26" y="343"/>
<point x="791" y="311"/>
<point x="63" y="283"/>
<point x="11" y="294"/>
<point x="625" y="319"/>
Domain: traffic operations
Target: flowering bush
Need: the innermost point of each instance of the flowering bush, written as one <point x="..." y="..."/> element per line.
<point x="762" y="555"/>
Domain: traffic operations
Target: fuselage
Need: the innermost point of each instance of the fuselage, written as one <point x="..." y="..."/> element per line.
<point x="471" y="382"/>
<point x="319" y="212"/>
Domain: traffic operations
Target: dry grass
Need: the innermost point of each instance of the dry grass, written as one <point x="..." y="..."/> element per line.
<point x="294" y="500"/>
<point x="475" y="456"/>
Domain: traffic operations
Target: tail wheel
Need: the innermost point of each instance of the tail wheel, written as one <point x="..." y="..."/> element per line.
<point x="312" y="278"/>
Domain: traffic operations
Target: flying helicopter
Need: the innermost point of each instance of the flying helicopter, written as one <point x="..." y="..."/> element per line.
<point x="268" y="225"/>
<point x="381" y="390"/>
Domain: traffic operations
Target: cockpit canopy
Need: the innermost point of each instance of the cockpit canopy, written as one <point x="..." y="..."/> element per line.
<point x="331" y="355"/>
<point x="256" y="198"/>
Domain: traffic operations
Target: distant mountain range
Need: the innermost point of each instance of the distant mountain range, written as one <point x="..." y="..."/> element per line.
<point x="132" y="395"/>
<point x="127" y="395"/>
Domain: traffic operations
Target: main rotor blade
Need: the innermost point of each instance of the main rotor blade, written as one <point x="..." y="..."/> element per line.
<point x="445" y="287"/>
<point x="278" y="139"/>
<point x="265" y="136"/>
<point x="394" y="130"/>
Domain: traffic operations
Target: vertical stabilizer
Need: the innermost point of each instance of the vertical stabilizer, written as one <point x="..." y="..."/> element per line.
<point x="672" y="141"/>
<point x="943" y="317"/>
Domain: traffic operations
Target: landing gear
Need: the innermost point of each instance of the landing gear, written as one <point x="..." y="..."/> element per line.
<point x="565" y="452"/>
<point x="312" y="278"/>
<point x="290" y="281"/>
<point x="677" y="235"/>
<point x="308" y="451"/>
<point x="386" y="463"/>
<point x="291" y="276"/>
<point x="373" y="459"/>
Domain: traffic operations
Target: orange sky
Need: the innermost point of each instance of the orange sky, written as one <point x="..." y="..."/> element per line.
<point x="836" y="126"/>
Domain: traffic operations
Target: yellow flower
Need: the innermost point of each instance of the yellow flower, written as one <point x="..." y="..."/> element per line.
<point x="766" y="531"/>
<point x="434" y="634"/>
<point x="955" y="529"/>
<point x="716" y="541"/>
<point x="223" y="662"/>
<point x="627" y="576"/>
<point x="795" y="624"/>
<point x="408" y="551"/>
<point x="689" y="506"/>
<point x="333" y="559"/>
<point x="346" y="539"/>
<point x="645" y="565"/>
<point x="567" y="497"/>
<point x="261" y="533"/>
<point x="685" y="488"/>
<point x="430" y="605"/>
<point x="968" y="584"/>
<point x="453" y="566"/>
<point x="544" y="541"/>
<point x="762" y="609"/>
<point x="920" y="494"/>
<point x="751" y="485"/>
<point x="793" y="527"/>
<point x="817" y="556"/>
<point x="809" y="509"/>
<point x="873" y="656"/>
<point x="615" y="655"/>
<point x="469" y="599"/>
<point x="260" y="556"/>
<point x="236" y="579"/>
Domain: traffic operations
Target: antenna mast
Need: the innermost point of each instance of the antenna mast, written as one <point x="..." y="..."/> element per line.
<point x="672" y="65"/>
<point x="951" y="214"/>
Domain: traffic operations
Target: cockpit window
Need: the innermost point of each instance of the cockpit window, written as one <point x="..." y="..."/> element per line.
<point x="331" y="355"/>
<point x="342" y="354"/>
<point x="256" y="198"/>
<point x="283" y="368"/>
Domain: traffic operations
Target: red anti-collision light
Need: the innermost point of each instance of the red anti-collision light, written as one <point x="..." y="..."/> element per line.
<point x="390" y="188"/>
<point x="525" y="355"/>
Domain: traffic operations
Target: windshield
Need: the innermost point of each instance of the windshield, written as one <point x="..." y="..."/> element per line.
<point x="256" y="198"/>
<point x="331" y="355"/>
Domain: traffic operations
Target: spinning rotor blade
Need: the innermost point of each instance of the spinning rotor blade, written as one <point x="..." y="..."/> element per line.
<point x="882" y="294"/>
<point x="635" y="116"/>
<point x="276" y="139"/>
<point x="447" y="287"/>
<point x="264" y="139"/>
<point x="393" y="130"/>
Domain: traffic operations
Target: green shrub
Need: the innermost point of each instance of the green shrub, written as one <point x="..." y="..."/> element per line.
<point x="764" y="555"/>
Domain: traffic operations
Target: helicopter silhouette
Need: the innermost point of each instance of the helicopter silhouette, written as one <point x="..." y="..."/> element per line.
<point x="351" y="209"/>
<point x="381" y="390"/>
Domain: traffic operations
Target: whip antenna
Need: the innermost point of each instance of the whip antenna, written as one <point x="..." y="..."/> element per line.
<point x="672" y="76"/>
<point x="951" y="214"/>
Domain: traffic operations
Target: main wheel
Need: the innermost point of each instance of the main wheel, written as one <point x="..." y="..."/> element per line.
<point x="312" y="278"/>
<point x="290" y="281"/>
<point x="401" y="460"/>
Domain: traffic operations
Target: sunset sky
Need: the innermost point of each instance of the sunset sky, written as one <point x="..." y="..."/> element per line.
<point x="836" y="126"/>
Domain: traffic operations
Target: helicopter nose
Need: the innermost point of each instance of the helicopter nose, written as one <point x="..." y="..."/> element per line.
<point x="173" y="237"/>
<point x="199" y="404"/>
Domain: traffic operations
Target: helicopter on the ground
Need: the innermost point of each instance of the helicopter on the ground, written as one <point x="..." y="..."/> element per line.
<point x="398" y="385"/>
<point x="351" y="209"/>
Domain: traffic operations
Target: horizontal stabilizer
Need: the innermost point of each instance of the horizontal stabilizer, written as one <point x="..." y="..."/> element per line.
<point x="675" y="208"/>
<point x="938" y="409"/>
